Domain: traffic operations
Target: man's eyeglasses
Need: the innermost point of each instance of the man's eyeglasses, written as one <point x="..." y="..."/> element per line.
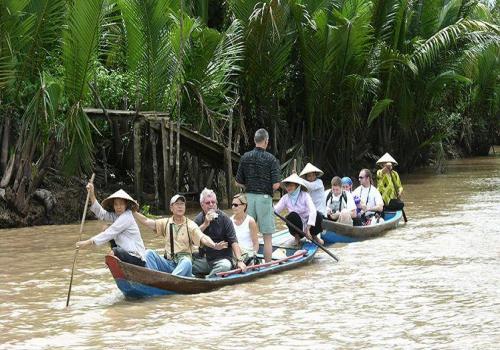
<point x="210" y="202"/>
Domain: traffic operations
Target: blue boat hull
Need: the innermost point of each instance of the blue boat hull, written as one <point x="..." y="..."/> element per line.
<point x="139" y="282"/>
<point x="340" y="233"/>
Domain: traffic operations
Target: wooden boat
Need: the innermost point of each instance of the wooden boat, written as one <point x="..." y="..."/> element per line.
<point x="341" y="233"/>
<point x="139" y="282"/>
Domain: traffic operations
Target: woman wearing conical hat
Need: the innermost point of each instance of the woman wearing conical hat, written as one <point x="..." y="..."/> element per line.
<point x="388" y="181"/>
<point x="117" y="209"/>
<point x="315" y="187"/>
<point x="301" y="210"/>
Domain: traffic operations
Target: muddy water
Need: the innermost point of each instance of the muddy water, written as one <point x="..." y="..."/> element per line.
<point x="432" y="283"/>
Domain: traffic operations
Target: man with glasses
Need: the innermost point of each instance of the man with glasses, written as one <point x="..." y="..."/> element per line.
<point x="219" y="227"/>
<point x="180" y="235"/>
<point x="371" y="200"/>
<point x="259" y="175"/>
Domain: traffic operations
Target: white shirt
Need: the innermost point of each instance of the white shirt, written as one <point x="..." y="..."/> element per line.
<point x="370" y="196"/>
<point x="316" y="190"/>
<point x="243" y="233"/>
<point x="124" y="231"/>
<point x="334" y="201"/>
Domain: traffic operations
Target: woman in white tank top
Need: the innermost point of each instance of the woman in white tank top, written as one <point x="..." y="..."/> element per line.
<point x="245" y="227"/>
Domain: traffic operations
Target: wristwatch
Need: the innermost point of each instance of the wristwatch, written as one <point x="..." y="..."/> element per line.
<point x="240" y="259"/>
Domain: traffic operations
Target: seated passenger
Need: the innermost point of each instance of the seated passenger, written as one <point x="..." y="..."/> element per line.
<point x="371" y="200"/>
<point x="246" y="228"/>
<point x="340" y="205"/>
<point x="180" y="235"/>
<point x="128" y="245"/>
<point x="301" y="210"/>
<point x="389" y="183"/>
<point x="347" y="184"/>
<point x="315" y="186"/>
<point x="219" y="227"/>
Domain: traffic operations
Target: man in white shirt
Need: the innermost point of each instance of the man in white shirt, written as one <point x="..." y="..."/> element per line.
<point x="340" y="205"/>
<point x="371" y="200"/>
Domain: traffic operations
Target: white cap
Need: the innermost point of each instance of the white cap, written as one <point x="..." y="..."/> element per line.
<point x="176" y="198"/>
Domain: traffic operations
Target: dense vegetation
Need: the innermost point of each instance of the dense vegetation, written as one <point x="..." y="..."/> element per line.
<point x="337" y="82"/>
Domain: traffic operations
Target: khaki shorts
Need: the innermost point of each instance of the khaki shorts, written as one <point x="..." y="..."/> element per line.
<point x="260" y="207"/>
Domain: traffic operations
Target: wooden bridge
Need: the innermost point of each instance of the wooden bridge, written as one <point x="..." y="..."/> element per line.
<point x="175" y="140"/>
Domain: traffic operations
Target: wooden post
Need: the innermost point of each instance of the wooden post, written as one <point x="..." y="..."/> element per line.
<point x="154" y="141"/>
<point x="178" y="157"/>
<point x="229" y="163"/>
<point x="166" y="165"/>
<point x="137" y="159"/>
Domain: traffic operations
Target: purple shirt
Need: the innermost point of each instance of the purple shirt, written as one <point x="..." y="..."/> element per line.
<point x="304" y="207"/>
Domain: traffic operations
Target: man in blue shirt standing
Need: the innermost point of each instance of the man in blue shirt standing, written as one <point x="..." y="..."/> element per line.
<point x="259" y="175"/>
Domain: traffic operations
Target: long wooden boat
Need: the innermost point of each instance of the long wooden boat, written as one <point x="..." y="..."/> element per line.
<point x="341" y="233"/>
<point x="140" y="282"/>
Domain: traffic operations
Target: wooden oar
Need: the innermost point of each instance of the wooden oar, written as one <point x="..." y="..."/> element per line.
<point x="79" y="239"/>
<point x="404" y="215"/>
<point x="319" y="245"/>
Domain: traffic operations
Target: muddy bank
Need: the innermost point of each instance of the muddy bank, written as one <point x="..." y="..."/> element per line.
<point x="62" y="205"/>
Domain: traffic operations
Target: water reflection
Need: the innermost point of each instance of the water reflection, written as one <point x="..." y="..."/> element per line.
<point x="430" y="284"/>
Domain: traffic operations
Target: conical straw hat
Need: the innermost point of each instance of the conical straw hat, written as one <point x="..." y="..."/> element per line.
<point x="386" y="158"/>
<point x="108" y="202"/>
<point x="296" y="179"/>
<point x="309" y="168"/>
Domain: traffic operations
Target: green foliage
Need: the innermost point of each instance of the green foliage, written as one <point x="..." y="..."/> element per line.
<point x="335" y="80"/>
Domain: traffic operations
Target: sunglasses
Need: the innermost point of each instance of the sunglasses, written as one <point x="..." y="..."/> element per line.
<point x="235" y="205"/>
<point x="362" y="177"/>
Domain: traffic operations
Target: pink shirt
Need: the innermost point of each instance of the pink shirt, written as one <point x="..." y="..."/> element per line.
<point x="304" y="207"/>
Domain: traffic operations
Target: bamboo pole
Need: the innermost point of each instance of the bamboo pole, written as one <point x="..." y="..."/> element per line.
<point x="79" y="239"/>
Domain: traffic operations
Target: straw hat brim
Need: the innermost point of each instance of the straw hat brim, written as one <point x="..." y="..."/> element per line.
<point x="108" y="202"/>
<point x="309" y="168"/>
<point x="295" y="179"/>
<point x="386" y="158"/>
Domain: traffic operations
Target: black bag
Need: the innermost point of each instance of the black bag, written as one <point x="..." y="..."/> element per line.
<point x="395" y="204"/>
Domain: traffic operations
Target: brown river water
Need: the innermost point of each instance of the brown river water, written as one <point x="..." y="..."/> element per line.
<point x="430" y="284"/>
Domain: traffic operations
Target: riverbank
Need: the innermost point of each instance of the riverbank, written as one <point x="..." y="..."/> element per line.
<point x="67" y="195"/>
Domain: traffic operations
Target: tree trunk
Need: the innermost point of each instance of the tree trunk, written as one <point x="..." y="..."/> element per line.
<point x="137" y="160"/>
<point x="154" y="141"/>
<point x="5" y="142"/>
<point x="167" y="183"/>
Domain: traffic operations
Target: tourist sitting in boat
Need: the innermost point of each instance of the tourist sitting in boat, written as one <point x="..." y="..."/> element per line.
<point x="128" y="245"/>
<point x="181" y="234"/>
<point x="347" y="184"/>
<point x="340" y="205"/>
<point x="389" y="183"/>
<point x="371" y="200"/>
<point x="301" y="210"/>
<point x="219" y="227"/>
<point x="246" y="229"/>
<point x="315" y="186"/>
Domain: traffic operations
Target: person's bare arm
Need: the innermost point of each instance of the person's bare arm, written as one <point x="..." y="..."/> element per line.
<point x="144" y="220"/>
<point x="254" y="234"/>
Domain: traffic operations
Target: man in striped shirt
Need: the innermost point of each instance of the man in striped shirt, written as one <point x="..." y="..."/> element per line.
<point x="259" y="175"/>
